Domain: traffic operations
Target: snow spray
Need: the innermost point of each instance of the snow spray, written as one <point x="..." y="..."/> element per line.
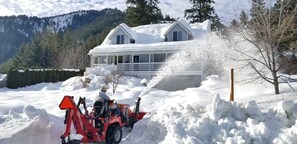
<point x="201" y="53"/>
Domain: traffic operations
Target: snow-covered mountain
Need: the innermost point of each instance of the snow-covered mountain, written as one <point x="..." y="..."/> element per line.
<point x="15" y="30"/>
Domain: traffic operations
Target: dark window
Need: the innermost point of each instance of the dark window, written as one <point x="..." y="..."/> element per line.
<point x="132" y="41"/>
<point x="177" y="35"/>
<point x="120" y="39"/>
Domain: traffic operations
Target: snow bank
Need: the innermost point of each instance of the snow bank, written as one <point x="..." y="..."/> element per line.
<point x="73" y="83"/>
<point x="100" y="70"/>
<point x="220" y="122"/>
<point x="28" y="126"/>
<point x="96" y="82"/>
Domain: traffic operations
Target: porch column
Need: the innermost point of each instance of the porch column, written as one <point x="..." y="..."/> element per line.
<point x="92" y="61"/>
<point x="132" y="60"/>
<point x="149" y="62"/>
<point x="106" y="59"/>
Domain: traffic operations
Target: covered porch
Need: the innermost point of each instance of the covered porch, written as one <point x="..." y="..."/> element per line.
<point x="132" y="62"/>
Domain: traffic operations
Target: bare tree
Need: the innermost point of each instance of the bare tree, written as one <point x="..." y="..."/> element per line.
<point x="265" y="33"/>
<point x="115" y="77"/>
<point x="74" y="57"/>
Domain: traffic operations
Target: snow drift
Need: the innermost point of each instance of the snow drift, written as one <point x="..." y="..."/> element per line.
<point x="28" y="126"/>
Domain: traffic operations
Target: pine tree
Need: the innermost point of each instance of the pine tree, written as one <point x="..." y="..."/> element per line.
<point x="217" y="23"/>
<point x="168" y="18"/>
<point x="257" y="10"/>
<point x="201" y="11"/>
<point x="32" y="55"/>
<point x="280" y="11"/>
<point x="234" y="23"/>
<point x="141" y="12"/>
<point x="244" y="19"/>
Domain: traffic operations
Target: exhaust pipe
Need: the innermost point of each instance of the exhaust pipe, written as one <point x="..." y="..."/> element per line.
<point x="137" y="103"/>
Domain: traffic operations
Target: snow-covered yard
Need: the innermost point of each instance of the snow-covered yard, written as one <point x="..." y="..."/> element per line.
<point x="31" y="115"/>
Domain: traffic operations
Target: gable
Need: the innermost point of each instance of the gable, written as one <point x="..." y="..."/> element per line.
<point x="121" y="30"/>
<point x="179" y="26"/>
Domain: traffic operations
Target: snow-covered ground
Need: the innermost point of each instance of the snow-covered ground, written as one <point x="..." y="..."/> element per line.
<point x="31" y="115"/>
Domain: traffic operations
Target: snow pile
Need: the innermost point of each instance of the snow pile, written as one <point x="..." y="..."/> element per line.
<point x="30" y="125"/>
<point x="96" y="82"/>
<point x="100" y="70"/>
<point x="73" y="83"/>
<point x="220" y="122"/>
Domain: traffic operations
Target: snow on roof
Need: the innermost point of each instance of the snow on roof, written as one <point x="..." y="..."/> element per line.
<point x="128" y="30"/>
<point x="148" y="34"/>
<point x="183" y="23"/>
<point x="202" y="26"/>
<point x="151" y="36"/>
<point x="153" y="47"/>
<point x="131" y="34"/>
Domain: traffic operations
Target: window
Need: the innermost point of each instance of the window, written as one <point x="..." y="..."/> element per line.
<point x="120" y="39"/>
<point x="177" y="35"/>
<point x="158" y="58"/>
<point x="96" y="60"/>
<point x="102" y="59"/>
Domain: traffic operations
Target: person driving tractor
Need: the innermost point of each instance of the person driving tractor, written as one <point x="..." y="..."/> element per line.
<point x="102" y="98"/>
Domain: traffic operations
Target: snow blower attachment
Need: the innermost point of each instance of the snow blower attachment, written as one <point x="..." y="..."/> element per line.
<point x="99" y="126"/>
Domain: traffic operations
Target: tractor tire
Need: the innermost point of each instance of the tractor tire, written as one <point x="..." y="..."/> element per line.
<point x="113" y="135"/>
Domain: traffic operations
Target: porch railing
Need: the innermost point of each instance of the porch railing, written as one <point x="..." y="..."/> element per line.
<point x="139" y="66"/>
<point x="147" y="66"/>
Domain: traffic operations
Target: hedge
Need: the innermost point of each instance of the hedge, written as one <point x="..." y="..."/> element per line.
<point x="22" y="78"/>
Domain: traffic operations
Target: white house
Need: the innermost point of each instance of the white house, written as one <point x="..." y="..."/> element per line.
<point x="141" y="51"/>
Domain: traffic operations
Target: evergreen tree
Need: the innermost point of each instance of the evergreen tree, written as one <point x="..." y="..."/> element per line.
<point x="234" y="23"/>
<point x="141" y="12"/>
<point x="280" y="11"/>
<point x="32" y="55"/>
<point x="201" y="11"/>
<point x="257" y="10"/>
<point x="244" y="19"/>
<point x="168" y="18"/>
<point x="217" y="23"/>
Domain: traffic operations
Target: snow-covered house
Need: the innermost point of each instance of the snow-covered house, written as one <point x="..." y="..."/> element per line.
<point x="142" y="50"/>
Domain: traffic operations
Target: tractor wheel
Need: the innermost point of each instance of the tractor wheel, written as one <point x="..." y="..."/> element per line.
<point x="113" y="135"/>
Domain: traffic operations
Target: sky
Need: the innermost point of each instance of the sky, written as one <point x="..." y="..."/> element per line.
<point x="226" y="9"/>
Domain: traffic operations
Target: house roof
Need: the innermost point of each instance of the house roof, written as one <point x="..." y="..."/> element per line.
<point x="126" y="29"/>
<point x="150" y="37"/>
<point x="183" y="23"/>
<point x="144" y="48"/>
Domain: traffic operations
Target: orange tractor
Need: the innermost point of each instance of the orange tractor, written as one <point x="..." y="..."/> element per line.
<point x="99" y="126"/>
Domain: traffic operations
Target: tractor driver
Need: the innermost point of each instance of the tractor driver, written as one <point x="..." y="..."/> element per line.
<point x="103" y="98"/>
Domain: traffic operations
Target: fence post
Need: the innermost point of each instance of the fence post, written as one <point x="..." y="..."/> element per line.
<point x="232" y="85"/>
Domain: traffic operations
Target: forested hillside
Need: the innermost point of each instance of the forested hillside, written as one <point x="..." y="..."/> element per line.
<point x="47" y="42"/>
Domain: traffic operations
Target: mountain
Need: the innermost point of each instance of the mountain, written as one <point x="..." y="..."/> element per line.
<point x="16" y="30"/>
